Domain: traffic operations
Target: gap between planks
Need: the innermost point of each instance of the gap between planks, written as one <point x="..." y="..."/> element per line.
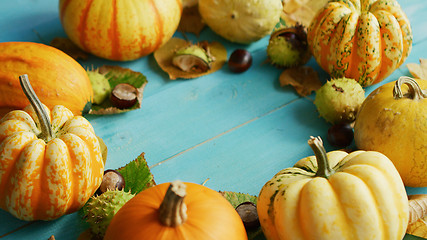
<point x="230" y="130"/>
<point x="17" y="229"/>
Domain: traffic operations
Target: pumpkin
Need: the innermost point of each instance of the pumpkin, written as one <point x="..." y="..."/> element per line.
<point x="56" y="78"/>
<point x="393" y="121"/>
<point x="118" y="29"/>
<point x="360" y="39"/>
<point x="241" y="21"/>
<point x="50" y="164"/>
<point x="335" y="195"/>
<point x="177" y="211"/>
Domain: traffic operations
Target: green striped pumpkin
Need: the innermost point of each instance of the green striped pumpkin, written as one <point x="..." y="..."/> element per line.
<point x="120" y="30"/>
<point x="361" y="39"/>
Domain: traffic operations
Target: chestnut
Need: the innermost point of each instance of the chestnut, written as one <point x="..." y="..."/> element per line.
<point x="112" y="180"/>
<point x="249" y="215"/>
<point x="240" y="60"/>
<point x="123" y="96"/>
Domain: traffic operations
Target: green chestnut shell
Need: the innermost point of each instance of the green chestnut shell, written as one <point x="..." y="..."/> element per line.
<point x="193" y="58"/>
<point x="339" y="100"/>
<point x="100" y="85"/>
<point x="288" y="47"/>
<point x="100" y="210"/>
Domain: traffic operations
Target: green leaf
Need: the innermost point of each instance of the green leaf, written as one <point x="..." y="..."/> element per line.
<point x="237" y="198"/>
<point x="116" y="75"/>
<point x="137" y="175"/>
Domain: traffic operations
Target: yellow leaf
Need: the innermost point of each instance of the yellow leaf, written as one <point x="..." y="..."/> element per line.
<point x="301" y="11"/>
<point x="418" y="70"/>
<point x="165" y="54"/>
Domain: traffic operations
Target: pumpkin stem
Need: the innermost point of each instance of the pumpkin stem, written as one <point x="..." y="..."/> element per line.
<point x="323" y="168"/>
<point x="45" y="126"/>
<point x="173" y="211"/>
<point x="415" y="91"/>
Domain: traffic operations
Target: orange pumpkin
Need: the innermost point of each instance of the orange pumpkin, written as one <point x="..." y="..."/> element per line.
<point x="177" y="211"/>
<point x="363" y="40"/>
<point x="50" y="164"/>
<point x="119" y="29"/>
<point x="56" y="78"/>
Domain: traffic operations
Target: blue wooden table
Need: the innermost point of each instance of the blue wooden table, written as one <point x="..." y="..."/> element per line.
<point x="237" y="130"/>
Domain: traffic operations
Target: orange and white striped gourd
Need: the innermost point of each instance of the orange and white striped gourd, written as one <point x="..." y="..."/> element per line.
<point x="50" y="161"/>
<point x="361" y="39"/>
<point x="120" y="29"/>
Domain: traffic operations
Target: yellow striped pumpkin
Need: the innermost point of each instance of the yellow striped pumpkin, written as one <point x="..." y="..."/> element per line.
<point x="361" y="39"/>
<point x="56" y="78"/>
<point x="335" y="195"/>
<point x="120" y="29"/>
<point x="50" y="162"/>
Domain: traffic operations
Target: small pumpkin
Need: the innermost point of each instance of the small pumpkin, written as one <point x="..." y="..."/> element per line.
<point x="335" y="195"/>
<point x="56" y="78"/>
<point x="118" y="29"/>
<point x="393" y="121"/>
<point x="241" y="21"/>
<point x="363" y="40"/>
<point x="50" y="164"/>
<point x="177" y="211"/>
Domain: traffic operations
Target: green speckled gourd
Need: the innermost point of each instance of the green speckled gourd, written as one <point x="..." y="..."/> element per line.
<point x="361" y="39"/>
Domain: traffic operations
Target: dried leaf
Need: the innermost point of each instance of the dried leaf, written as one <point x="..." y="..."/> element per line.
<point x="189" y="3"/>
<point x="300" y="11"/>
<point x="304" y="79"/>
<point x="116" y="75"/>
<point x="418" y="70"/>
<point x="165" y="54"/>
<point x="417" y="215"/>
<point x="418" y="228"/>
<point x="68" y="47"/>
<point x="191" y="21"/>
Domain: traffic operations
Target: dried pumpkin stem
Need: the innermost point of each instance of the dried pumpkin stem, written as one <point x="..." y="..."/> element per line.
<point x="417" y="207"/>
<point x="45" y="126"/>
<point x="415" y="91"/>
<point x="323" y="168"/>
<point x="173" y="211"/>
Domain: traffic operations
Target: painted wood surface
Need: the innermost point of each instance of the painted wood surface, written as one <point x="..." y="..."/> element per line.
<point x="237" y="130"/>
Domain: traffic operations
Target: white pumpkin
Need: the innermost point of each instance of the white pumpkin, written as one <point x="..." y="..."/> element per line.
<point x="241" y="21"/>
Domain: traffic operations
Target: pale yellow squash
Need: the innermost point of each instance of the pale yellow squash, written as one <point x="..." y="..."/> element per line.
<point x="393" y="121"/>
<point x="335" y="195"/>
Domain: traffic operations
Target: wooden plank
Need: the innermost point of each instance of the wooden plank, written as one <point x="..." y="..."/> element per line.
<point x="191" y="112"/>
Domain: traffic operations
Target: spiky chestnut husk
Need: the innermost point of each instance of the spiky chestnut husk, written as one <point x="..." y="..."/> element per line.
<point x="100" y="86"/>
<point x="339" y="100"/>
<point x="288" y="47"/>
<point x="100" y="210"/>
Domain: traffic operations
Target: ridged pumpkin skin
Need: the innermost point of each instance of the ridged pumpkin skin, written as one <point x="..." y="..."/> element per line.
<point x="43" y="181"/>
<point x="397" y="128"/>
<point x="210" y="217"/>
<point x="56" y="78"/>
<point x="363" y="199"/>
<point x="120" y="30"/>
<point x="361" y="39"/>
